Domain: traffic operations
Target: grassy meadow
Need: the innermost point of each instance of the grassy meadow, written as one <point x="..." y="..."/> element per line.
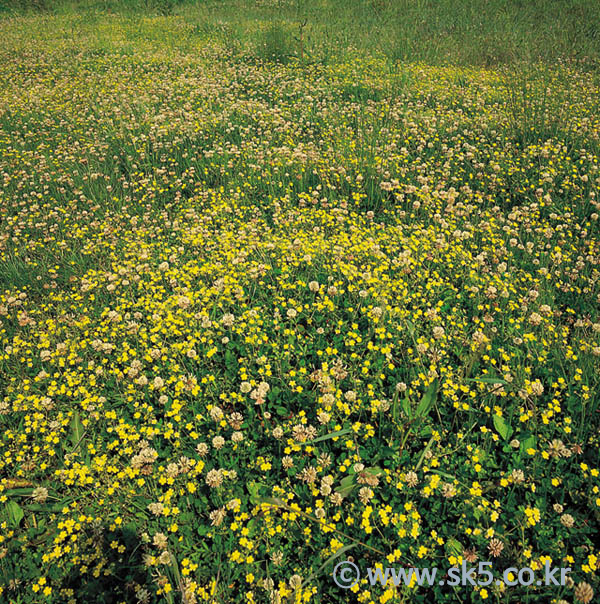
<point x="284" y="284"/>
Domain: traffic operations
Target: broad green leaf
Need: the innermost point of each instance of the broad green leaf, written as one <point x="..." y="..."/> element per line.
<point x="274" y="393"/>
<point x="256" y="498"/>
<point x="428" y="400"/>
<point x="346" y="486"/>
<point x="20" y="492"/>
<point x="47" y="508"/>
<point x="502" y="427"/>
<point x="76" y="429"/>
<point x="253" y="488"/>
<point x="14" y="512"/>
<point x="528" y="443"/>
<point x="425" y="431"/>
<point x="231" y="361"/>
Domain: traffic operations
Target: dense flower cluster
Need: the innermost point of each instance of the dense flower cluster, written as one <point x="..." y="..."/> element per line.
<point x="255" y="317"/>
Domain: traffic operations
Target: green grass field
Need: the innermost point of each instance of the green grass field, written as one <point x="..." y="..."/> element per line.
<point x="286" y="284"/>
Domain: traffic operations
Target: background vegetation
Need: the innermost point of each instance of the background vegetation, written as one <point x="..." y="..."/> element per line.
<point x="475" y="32"/>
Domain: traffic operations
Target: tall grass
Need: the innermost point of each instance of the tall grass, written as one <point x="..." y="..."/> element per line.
<point x="475" y="32"/>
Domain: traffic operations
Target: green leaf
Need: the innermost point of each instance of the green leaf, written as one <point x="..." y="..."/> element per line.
<point x="425" y="431"/>
<point x="502" y="427"/>
<point x="454" y="547"/>
<point x="395" y="409"/>
<point x="445" y="474"/>
<point x="45" y="508"/>
<point x="406" y="407"/>
<point x="427" y="447"/>
<point x="274" y="394"/>
<point x="231" y="361"/>
<point x="329" y="560"/>
<point x="256" y="498"/>
<point x="76" y="428"/>
<point x="428" y="400"/>
<point x="14" y="512"/>
<point x="335" y="434"/>
<point x="528" y="443"/>
<point x="346" y="486"/>
<point x="24" y="492"/>
<point x="253" y="488"/>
